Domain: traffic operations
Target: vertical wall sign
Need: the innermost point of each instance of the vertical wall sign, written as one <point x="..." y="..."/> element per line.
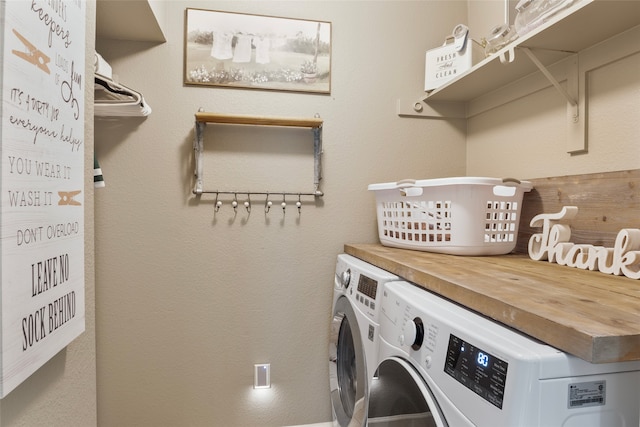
<point x="42" y="183"/>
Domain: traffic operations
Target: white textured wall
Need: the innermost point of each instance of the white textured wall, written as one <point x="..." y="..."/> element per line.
<point x="188" y="301"/>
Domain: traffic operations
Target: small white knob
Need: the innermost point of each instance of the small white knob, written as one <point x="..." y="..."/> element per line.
<point x="246" y="204"/>
<point x="283" y="204"/>
<point x="218" y="203"/>
<point x="234" y="204"/>
<point x="427" y="362"/>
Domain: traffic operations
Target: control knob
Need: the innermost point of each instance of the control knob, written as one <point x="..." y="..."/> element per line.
<point x="413" y="333"/>
<point x="345" y="278"/>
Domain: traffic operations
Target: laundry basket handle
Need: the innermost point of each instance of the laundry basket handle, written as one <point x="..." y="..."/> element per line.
<point x="513" y="180"/>
<point x="408" y="188"/>
<point x="406" y="183"/>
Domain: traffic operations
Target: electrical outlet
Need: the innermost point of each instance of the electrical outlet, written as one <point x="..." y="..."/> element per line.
<point x="262" y="375"/>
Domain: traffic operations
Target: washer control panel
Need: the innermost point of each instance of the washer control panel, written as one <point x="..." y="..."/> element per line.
<point x="368" y="286"/>
<point x="479" y="371"/>
<point x="367" y="291"/>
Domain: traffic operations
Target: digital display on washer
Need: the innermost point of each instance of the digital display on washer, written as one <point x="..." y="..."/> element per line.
<point x="479" y="371"/>
<point x="367" y="286"/>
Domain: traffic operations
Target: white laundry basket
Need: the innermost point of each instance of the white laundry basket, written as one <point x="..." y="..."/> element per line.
<point x="459" y="216"/>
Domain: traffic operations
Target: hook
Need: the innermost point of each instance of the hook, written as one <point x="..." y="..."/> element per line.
<point x="235" y="202"/>
<point x="284" y="203"/>
<point x="247" y="203"/>
<point x="504" y="58"/>
<point x="299" y="204"/>
<point x="217" y="204"/>
<point x="267" y="204"/>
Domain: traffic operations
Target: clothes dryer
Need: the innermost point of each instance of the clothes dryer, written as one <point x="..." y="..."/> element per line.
<point x="441" y="364"/>
<point x="353" y="348"/>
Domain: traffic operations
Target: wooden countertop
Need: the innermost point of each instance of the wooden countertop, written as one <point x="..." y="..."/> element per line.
<point x="589" y="314"/>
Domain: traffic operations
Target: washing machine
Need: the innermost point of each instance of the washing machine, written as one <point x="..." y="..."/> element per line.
<point x="441" y="364"/>
<point x="353" y="348"/>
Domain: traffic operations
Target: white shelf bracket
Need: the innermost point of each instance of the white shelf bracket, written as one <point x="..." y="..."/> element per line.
<point x="570" y="100"/>
<point x="577" y="142"/>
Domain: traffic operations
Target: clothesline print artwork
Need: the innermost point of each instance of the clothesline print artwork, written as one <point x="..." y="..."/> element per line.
<point x="257" y="52"/>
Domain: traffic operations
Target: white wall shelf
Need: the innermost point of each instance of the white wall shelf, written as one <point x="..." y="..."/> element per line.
<point x="581" y="26"/>
<point x="135" y="20"/>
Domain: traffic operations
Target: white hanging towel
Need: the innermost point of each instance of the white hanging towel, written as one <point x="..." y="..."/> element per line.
<point x="242" y="52"/>
<point x="221" y="48"/>
<point x="116" y="100"/>
<point x="263" y="44"/>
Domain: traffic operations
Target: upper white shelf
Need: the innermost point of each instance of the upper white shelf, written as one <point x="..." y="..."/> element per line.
<point x="136" y="20"/>
<point x="582" y="25"/>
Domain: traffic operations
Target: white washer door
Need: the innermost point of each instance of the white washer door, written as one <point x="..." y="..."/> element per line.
<point x="399" y="397"/>
<point x="347" y="369"/>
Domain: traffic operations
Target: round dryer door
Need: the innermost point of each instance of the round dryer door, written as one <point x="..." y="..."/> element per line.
<point x="399" y="397"/>
<point x="347" y="369"/>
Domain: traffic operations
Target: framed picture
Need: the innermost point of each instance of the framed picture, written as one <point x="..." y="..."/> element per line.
<point x="237" y="50"/>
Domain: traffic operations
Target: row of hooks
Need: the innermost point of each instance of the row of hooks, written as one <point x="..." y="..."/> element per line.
<point x="267" y="202"/>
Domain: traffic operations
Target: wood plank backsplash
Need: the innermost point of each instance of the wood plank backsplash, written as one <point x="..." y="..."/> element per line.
<point x="607" y="202"/>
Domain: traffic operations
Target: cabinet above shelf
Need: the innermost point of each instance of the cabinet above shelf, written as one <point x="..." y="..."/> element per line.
<point x="575" y="29"/>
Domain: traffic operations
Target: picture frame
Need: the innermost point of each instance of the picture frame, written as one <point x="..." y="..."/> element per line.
<point x="237" y="50"/>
